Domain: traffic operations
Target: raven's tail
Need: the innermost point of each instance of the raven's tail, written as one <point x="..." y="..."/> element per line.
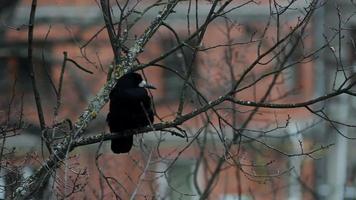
<point x="122" y="145"/>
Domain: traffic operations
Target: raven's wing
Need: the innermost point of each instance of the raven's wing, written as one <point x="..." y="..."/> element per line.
<point x="129" y="109"/>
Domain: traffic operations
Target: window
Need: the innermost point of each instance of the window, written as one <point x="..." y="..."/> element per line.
<point x="180" y="177"/>
<point x="352" y="47"/>
<point x="21" y="71"/>
<point x="178" y="182"/>
<point x="19" y="67"/>
<point x="292" y="75"/>
<point x="180" y="61"/>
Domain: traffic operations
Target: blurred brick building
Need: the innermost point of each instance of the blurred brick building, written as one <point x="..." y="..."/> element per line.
<point x="66" y="26"/>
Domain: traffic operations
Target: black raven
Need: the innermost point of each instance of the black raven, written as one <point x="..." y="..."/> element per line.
<point x="130" y="108"/>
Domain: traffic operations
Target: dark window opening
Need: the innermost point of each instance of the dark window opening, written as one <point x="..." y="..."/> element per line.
<point x="182" y="62"/>
<point x="293" y="74"/>
<point x="19" y="69"/>
<point x="352" y="48"/>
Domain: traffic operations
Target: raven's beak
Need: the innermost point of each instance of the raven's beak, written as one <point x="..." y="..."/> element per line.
<point x="144" y="84"/>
